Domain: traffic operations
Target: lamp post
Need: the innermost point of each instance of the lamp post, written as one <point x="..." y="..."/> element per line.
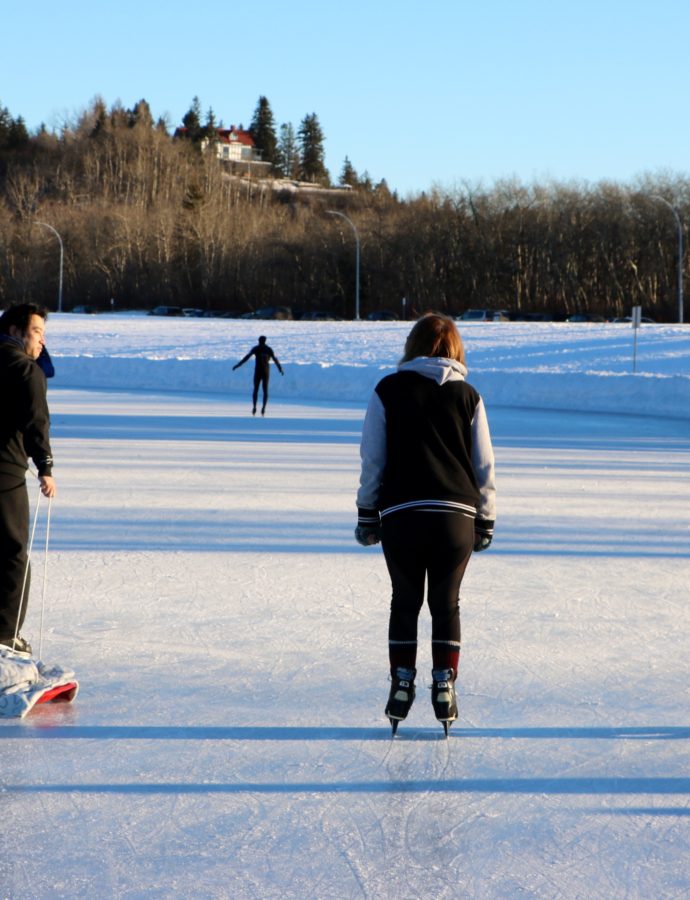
<point x="62" y="256"/>
<point x="332" y="212"/>
<point x="680" y="253"/>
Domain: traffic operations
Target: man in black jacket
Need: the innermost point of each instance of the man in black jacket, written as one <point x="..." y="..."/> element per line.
<point x="263" y="354"/>
<point x="24" y="433"/>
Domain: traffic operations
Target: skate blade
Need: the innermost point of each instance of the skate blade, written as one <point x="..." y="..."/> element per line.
<point x="446" y="722"/>
<point x="394" y="725"/>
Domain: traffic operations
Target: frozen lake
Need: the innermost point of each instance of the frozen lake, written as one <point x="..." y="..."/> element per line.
<point x="230" y="640"/>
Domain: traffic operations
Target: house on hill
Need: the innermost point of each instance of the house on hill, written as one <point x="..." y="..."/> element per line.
<point x="234" y="146"/>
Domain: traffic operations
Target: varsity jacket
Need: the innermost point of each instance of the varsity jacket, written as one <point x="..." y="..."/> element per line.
<point x="24" y="418"/>
<point x="426" y="445"/>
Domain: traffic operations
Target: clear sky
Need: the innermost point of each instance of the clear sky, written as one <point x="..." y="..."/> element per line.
<point x="442" y="92"/>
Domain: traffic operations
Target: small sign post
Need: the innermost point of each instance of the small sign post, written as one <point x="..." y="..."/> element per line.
<point x="636" y="320"/>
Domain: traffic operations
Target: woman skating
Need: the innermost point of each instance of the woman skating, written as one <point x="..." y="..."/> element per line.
<point x="427" y="493"/>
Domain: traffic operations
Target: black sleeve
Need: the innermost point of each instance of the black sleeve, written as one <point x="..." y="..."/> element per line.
<point x="35" y="421"/>
<point x="46" y="363"/>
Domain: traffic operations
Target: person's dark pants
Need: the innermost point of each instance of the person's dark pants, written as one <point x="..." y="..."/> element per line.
<point x="431" y="546"/>
<point x="260" y="379"/>
<point x="14" y="538"/>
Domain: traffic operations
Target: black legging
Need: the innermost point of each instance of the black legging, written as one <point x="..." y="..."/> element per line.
<point x="14" y="536"/>
<point x="436" y="546"/>
<point x="260" y="379"/>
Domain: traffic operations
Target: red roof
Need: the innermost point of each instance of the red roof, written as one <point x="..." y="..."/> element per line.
<point x="234" y="135"/>
<point x="229" y="135"/>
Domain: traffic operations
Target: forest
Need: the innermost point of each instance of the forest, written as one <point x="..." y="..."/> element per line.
<point x="147" y="218"/>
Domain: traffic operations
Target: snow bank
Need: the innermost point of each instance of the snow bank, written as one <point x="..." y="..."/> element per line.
<point x="659" y="395"/>
<point x="652" y="395"/>
<point x="548" y="366"/>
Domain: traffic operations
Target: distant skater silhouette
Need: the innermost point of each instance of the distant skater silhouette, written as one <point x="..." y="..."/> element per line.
<point x="263" y="354"/>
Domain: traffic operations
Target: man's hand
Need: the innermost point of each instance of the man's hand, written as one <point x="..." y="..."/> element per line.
<point x="48" y="488"/>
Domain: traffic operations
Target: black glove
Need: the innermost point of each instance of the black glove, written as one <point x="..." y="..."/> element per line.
<point x="366" y="535"/>
<point x="481" y="542"/>
<point x="483" y="534"/>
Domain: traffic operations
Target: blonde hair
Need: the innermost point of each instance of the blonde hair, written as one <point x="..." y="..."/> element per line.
<point x="434" y="335"/>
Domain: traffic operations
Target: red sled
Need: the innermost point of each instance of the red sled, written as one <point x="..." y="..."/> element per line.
<point x="61" y="693"/>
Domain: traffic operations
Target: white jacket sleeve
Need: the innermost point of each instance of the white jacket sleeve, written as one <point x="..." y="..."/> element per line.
<point x="372" y="451"/>
<point x="483" y="464"/>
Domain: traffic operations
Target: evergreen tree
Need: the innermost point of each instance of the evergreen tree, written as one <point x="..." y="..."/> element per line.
<point x="287" y="152"/>
<point x="210" y="129"/>
<point x="18" y="136"/>
<point x="97" y="118"/>
<point x="192" y="121"/>
<point x="312" y="154"/>
<point x="5" y="125"/>
<point x="263" y="131"/>
<point x="349" y="174"/>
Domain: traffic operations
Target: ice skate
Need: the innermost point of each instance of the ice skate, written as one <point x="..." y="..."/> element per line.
<point x="401" y="696"/>
<point x="443" y="697"/>
<point x="17" y="645"/>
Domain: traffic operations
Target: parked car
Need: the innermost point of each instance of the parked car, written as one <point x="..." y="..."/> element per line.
<point x="585" y="317"/>
<point x="382" y="315"/>
<point x="643" y="319"/>
<point x="485" y="315"/>
<point x="521" y="316"/>
<point x="270" y="312"/>
<point x="318" y="315"/>
<point x="166" y="311"/>
<point x="192" y="312"/>
<point x="89" y="310"/>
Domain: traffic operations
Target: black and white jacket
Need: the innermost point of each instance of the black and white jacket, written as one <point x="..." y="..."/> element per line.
<point x="426" y="445"/>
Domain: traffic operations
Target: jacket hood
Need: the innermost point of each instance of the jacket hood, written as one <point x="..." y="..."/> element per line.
<point x="438" y="368"/>
<point x="9" y="339"/>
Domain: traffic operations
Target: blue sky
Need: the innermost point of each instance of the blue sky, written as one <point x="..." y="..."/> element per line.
<point x="443" y="92"/>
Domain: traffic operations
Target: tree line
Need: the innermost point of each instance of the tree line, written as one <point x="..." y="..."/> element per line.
<point x="148" y="219"/>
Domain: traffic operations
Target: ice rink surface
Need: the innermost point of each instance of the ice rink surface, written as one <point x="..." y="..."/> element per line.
<point x="229" y="636"/>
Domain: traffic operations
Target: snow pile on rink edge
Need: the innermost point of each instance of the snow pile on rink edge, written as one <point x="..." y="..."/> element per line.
<point x="568" y="367"/>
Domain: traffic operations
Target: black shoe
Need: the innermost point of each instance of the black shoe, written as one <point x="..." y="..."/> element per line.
<point x="253" y="410"/>
<point x="443" y="695"/>
<point x="17" y="645"/>
<point x="401" y="696"/>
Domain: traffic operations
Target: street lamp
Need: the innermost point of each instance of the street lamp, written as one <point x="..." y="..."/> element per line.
<point x="332" y="212"/>
<point x="680" y="254"/>
<point x="62" y="256"/>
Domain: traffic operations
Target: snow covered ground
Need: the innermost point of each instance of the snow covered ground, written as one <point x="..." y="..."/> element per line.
<point x="517" y="363"/>
<point x="230" y="636"/>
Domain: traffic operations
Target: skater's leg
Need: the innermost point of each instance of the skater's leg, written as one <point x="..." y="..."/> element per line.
<point x="452" y="539"/>
<point x="264" y="385"/>
<point x="255" y="392"/>
<point x="14" y="536"/>
<point x="407" y="570"/>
